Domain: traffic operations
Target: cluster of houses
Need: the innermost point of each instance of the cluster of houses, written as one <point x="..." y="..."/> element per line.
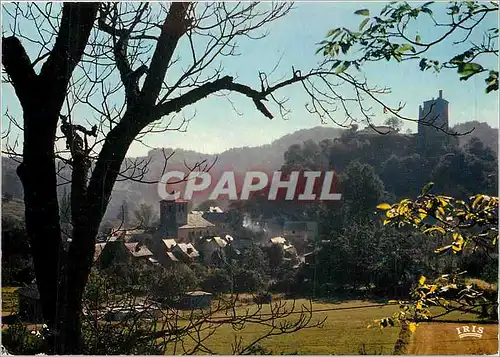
<point x="206" y="237"/>
<point x="182" y="237"/>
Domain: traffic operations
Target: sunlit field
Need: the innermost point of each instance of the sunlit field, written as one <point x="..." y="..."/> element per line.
<point x="344" y="332"/>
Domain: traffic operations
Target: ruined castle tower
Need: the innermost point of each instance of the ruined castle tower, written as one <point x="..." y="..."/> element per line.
<point x="433" y="122"/>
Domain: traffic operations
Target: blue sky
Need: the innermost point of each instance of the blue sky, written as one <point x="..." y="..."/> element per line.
<point x="293" y="39"/>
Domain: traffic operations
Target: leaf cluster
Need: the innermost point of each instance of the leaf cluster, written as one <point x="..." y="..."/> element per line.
<point x="464" y="224"/>
<point x="391" y="35"/>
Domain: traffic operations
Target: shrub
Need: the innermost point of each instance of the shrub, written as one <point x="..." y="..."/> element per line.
<point x="263" y="298"/>
<point x="218" y="281"/>
<point x="18" y="340"/>
<point x="248" y="281"/>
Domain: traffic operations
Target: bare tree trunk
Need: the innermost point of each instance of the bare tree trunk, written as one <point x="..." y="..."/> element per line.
<point x="41" y="97"/>
<point x="77" y="270"/>
<point x="38" y="175"/>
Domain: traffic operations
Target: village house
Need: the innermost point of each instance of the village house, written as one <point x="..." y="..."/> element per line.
<point x="224" y="222"/>
<point x="138" y="251"/>
<point x="115" y="251"/>
<point x="176" y="222"/>
<point x="162" y="251"/>
<point x="169" y="244"/>
<point x="126" y="235"/>
<point x="211" y="249"/>
<point x="136" y="235"/>
<point x="179" y="230"/>
<point x="196" y="227"/>
<point x="288" y="248"/>
<point x="186" y="252"/>
<point x="196" y="300"/>
<point x="300" y="234"/>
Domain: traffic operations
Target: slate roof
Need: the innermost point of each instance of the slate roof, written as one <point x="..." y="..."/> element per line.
<point x="99" y="247"/>
<point x="278" y="240"/>
<point x="197" y="293"/>
<point x="220" y="242"/>
<point x="195" y="220"/>
<point x="169" y="243"/>
<point x="172" y="257"/>
<point x="133" y="233"/>
<point x="184" y="247"/>
<point x="138" y="250"/>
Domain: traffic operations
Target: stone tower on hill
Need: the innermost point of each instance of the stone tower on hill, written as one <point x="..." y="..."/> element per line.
<point x="433" y="125"/>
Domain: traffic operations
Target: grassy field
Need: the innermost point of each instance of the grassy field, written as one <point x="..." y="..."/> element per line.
<point x="9" y="301"/>
<point x="344" y="332"/>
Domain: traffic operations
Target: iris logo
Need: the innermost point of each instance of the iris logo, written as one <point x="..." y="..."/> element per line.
<point x="470" y="331"/>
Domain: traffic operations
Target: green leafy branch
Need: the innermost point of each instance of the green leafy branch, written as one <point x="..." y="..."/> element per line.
<point x="389" y="36"/>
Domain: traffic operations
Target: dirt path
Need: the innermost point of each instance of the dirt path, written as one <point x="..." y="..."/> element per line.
<point x="443" y="339"/>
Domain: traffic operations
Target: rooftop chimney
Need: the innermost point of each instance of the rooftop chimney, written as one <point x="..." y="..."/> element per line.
<point x="441" y="94"/>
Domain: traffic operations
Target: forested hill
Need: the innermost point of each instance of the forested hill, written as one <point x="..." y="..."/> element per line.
<point x="265" y="158"/>
<point x="487" y="134"/>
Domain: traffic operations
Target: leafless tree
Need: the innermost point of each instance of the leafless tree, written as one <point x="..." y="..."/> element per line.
<point x="144" y="215"/>
<point x="150" y="327"/>
<point x="118" y="59"/>
<point x="394" y="123"/>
